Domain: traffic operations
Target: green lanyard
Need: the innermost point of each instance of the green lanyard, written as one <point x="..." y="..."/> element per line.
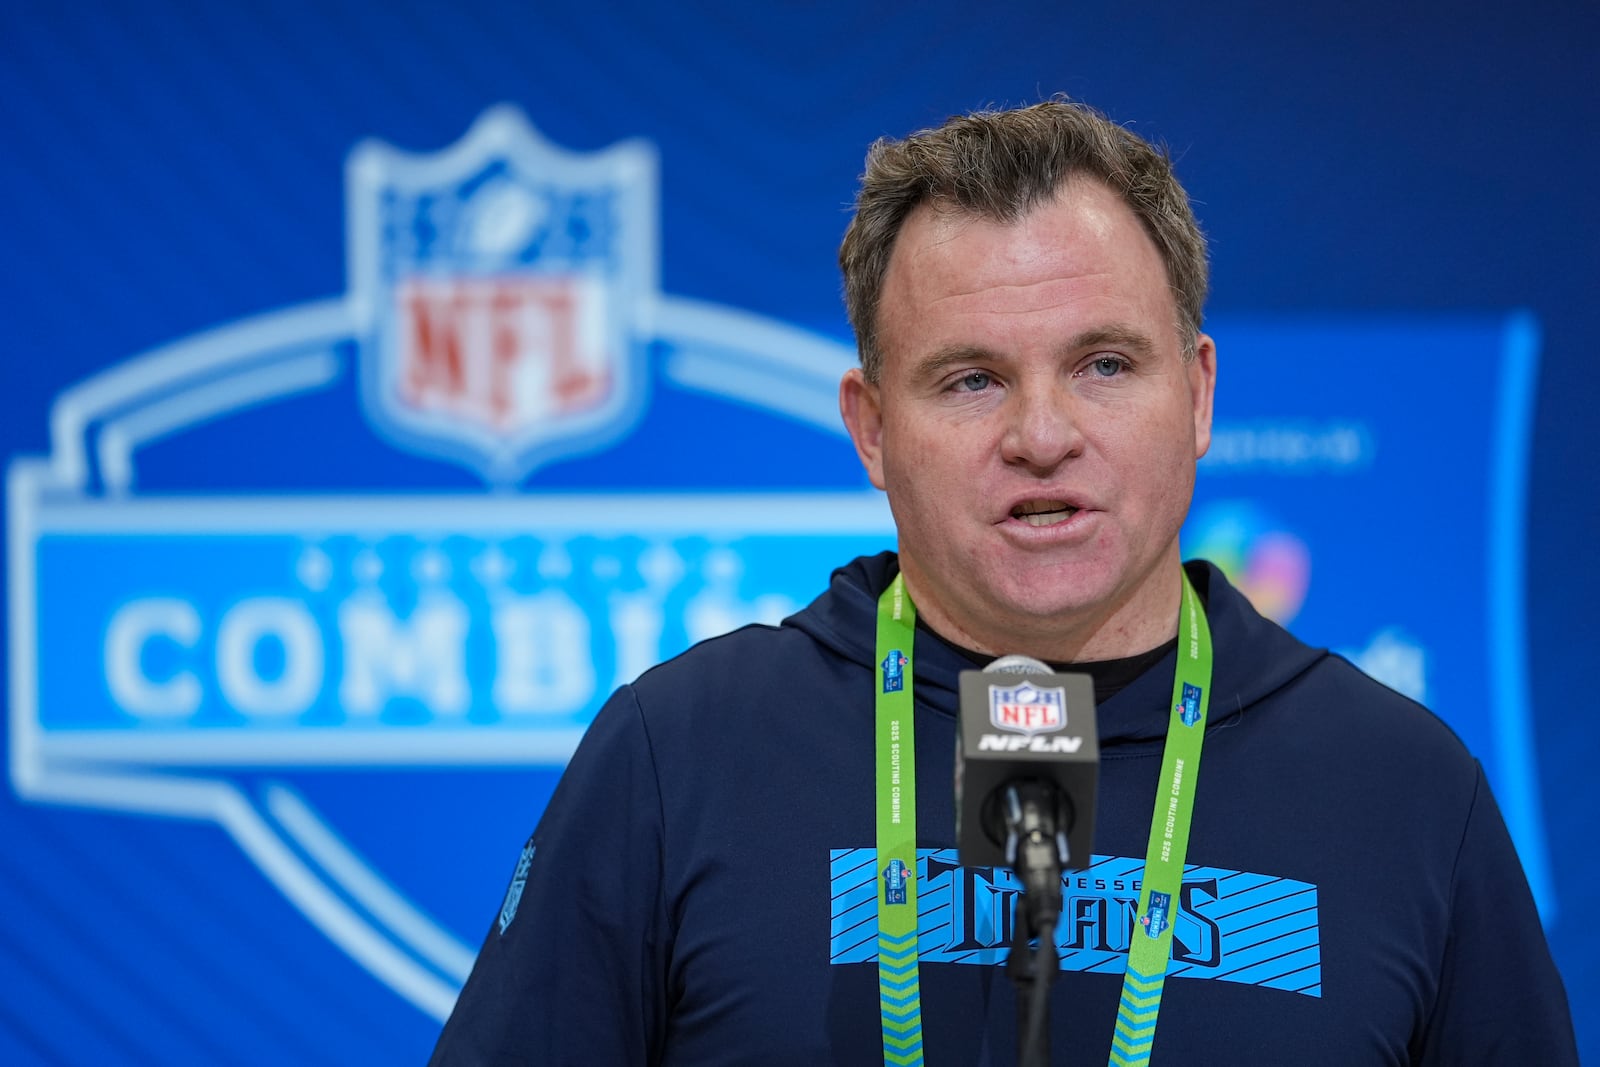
<point x="1135" y="1032"/>
<point x="899" y="995"/>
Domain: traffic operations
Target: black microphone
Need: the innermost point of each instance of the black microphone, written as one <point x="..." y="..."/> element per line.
<point x="1027" y="764"/>
<point x="1027" y="767"/>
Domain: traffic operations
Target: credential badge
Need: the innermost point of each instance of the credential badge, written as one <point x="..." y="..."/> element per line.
<point x="1155" y="916"/>
<point x="894" y="667"/>
<point x="895" y="878"/>
<point x="1188" y="708"/>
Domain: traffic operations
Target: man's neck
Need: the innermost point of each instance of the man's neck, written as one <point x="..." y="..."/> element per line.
<point x="1146" y="619"/>
<point x="1110" y="676"/>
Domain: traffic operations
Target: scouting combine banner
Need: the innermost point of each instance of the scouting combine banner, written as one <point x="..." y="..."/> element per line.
<point x="504" y="472"/>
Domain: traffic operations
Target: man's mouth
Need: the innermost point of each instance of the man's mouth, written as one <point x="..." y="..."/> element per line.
<point x="1043" y="512"/>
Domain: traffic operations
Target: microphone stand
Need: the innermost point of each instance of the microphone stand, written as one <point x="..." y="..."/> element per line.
<point x="1036" y="849"/>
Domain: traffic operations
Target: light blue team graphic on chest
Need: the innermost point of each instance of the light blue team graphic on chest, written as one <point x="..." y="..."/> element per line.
<point x="1231" y="926"/>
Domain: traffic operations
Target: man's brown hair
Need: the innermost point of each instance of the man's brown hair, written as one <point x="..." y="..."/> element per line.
<point x="999" y="165"/>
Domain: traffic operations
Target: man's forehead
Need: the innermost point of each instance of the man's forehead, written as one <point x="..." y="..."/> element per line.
<point x="948" y="216"/>
<point x="1084" y="218"/>
<point x="1082" y="248"/>
<point x="945" y="253"/>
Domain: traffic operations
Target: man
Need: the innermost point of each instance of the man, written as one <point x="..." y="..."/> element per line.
<point x="706" y="886"/>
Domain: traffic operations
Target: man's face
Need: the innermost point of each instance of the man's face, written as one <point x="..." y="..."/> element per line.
<point x="1035" y="426"/>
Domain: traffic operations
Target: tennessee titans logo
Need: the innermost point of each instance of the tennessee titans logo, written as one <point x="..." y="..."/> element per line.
<point x="1188" y="707"/>
<point x="894" y="671"/>
<point x="895" y="877"/>
<point x="1155" y="916"/>
<point x="508" y="909"/>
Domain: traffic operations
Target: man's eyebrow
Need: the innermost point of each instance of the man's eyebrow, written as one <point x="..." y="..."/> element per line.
<point x="940" y="360"/>
<point x="1115" y="335"/>
<point x="1112" y="335"/>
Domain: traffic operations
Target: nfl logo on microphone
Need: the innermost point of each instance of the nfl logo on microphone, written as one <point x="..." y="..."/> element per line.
<point x="1027" y="709"/>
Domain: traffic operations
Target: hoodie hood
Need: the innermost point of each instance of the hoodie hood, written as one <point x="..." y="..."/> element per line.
<point x="1253" y="659"/>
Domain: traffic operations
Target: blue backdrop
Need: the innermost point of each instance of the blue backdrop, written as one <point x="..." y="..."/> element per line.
<point x="384" y="384"/>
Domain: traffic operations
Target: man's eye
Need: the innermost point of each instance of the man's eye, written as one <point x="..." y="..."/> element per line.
<point x="976" y="382"/>
<point x="1108" y="366"/>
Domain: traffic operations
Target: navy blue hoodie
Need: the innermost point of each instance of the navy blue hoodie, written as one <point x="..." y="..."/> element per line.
<point x="701" y="888"/>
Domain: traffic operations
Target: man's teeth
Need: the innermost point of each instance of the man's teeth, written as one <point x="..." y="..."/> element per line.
<point x="1044" y="514"/>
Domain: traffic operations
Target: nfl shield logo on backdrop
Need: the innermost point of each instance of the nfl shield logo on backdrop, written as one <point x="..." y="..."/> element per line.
<point x="1027" y="709"/>
<point x="502" y="289"/>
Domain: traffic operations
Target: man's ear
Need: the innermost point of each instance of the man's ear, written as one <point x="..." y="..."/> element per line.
<point x="861" y="405"/>
<point x="1202" y="373"/>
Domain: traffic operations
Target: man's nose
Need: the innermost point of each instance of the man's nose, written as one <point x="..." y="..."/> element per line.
<point x="1042" y="427"/>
